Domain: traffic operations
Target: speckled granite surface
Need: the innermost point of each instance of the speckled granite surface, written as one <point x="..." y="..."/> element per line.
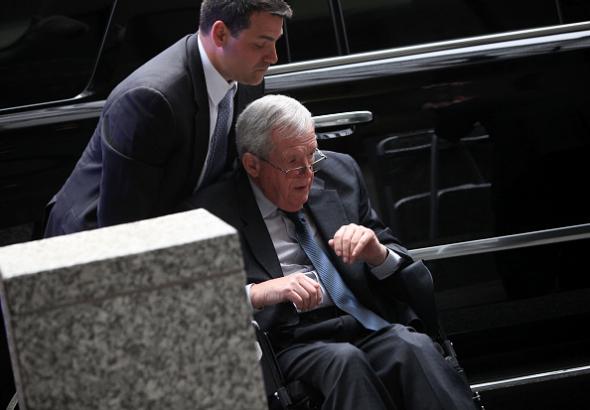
<point x="137" y="316"/>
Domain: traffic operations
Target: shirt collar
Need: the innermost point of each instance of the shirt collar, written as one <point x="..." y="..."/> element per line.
<point x="217" y="86"/>
<point x="267" y="208"/>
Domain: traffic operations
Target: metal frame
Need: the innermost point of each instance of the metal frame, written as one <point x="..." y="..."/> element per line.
<point x="500" y="243"/>
<point x="532" y="378"/>
<point x="528" y="239"/>
<point x="362" y="65"/>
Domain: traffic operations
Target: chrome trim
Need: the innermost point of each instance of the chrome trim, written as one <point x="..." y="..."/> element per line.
<point x="400" y="61"/>
<point x="51" y="115"/>
<point x="531" y="378"/>
<point x="357" y="66"/>
<point x="342" y="119"/>
<point x="427" y="48"/>
<point x="75" y="112"/>
<point x="500" y="243"/>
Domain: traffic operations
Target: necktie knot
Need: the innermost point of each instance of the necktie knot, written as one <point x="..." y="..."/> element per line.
<point x="297" y="217"/>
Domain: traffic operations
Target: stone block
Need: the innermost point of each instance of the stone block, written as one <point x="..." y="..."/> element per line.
<point x="145" y="315"/>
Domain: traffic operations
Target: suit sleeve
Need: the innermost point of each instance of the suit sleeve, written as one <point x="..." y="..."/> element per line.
<point x="136" y="133"/>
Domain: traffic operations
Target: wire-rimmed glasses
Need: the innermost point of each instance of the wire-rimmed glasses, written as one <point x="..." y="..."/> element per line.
<point x="318" y="157"/>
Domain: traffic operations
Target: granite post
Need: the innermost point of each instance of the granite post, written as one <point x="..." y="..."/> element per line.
<point x="146" y="315"/>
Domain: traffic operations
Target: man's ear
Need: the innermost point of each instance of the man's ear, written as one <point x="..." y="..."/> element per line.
<point x="219" y="33"/>
<point x="251" y="164"/>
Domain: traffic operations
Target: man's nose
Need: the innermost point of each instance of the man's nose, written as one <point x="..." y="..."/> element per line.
<point x="272" y="56"/>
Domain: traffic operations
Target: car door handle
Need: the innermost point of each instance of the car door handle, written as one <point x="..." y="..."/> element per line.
<point x="340" y="124"/>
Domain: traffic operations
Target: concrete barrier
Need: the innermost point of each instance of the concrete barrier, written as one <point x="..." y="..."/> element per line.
<point x="145" y="315"/>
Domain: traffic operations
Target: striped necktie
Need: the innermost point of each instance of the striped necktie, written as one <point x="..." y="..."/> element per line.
<point x="331" y="279"/>
<point x="219" y="143"/>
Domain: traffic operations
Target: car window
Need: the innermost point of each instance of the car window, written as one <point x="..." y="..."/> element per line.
<point x="140" y="30"/>
<point x="48" y="48"/>
<point x="309" y="34"/>
<point x="379" y="24"/>
<point x="573" y="11"/>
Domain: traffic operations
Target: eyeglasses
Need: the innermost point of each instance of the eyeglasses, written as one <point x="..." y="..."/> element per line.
<point x="314" y="167"/>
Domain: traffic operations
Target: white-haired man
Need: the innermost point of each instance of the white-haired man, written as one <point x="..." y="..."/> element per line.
<point x="319" y="265"/>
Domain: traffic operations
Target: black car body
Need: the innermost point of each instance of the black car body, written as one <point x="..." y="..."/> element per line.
<point x="470" y="120"/>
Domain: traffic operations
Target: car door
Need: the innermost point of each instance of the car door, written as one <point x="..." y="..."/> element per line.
<point x="470" y="121"/>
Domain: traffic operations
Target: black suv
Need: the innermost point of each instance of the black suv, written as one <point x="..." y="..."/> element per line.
<point x="469" y="118"/>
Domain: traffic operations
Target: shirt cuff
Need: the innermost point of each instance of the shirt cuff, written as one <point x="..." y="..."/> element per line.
<point x="248" y="287"/>
<point x="248" y="295"/>
<point x="389" y="265"/>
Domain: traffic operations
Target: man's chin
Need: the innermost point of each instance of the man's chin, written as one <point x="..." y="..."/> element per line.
<point x="254" y="79"/>
<point x="294" y="206"/>
<point x="299" y="204"/>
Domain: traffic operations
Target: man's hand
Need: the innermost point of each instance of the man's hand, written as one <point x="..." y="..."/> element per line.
<point x="356" y="242"/>
<point x="304" y="292"/>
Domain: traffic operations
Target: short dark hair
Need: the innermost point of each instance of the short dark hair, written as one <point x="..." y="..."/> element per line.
<point x="235" y="14"/>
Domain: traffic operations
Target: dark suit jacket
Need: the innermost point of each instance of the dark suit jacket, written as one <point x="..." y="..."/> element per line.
<point x="149" y="146"/>
<point x="338" y="196"/>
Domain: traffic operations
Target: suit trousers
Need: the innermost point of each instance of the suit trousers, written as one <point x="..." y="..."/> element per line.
<point x="354" y="368"/>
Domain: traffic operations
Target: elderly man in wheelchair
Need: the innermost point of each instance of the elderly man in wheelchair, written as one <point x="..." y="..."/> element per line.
<point x="326" y="279"/>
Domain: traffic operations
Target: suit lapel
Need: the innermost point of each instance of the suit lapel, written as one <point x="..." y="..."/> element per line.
<point x="327" y="209"/>
<point x="254" y="229"/>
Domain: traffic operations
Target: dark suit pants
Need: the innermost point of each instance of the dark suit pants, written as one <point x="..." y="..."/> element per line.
<point x="394" y="368"/>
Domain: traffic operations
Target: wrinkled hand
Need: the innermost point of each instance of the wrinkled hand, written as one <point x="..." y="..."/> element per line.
<point x="356" y="242"/>
<point x="304" y="292"/>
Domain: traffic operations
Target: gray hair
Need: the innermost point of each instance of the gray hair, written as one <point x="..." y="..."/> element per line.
<point x="278" y="113"/>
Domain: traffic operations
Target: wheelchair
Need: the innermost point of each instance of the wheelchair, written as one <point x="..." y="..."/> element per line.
<point x="415" y="287"/>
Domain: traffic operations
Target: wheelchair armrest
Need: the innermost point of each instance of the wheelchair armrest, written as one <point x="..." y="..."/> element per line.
<point x="294" y="394"/>
<point x="414" y="286"/>
<point x="13" y="405"/>
<point x="274" y="382"/>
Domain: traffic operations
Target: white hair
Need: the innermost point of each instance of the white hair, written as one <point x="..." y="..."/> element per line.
<point x="279" y="113"/>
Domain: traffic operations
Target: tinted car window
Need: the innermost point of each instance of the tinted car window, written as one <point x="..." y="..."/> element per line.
<point x="139" y="30"/>
<point x="409" y="22"/>
<point x="573" y="11"/>
<point x="48" y="48"/>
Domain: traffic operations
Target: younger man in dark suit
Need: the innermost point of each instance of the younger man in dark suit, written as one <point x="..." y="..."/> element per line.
<point x="163" y="132"/>
<point x="319" y="265"/>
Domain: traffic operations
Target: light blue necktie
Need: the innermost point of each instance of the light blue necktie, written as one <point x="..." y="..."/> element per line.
<point x="218" y="145"/>
<point x="331" y="279"/>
